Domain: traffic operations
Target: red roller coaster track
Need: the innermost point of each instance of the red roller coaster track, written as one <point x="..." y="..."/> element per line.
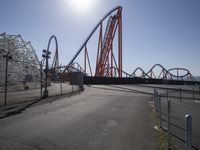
<point x="106" y="60"/>
<point x="106" y="63"/>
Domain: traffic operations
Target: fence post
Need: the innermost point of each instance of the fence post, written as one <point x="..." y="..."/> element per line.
<point x="180" y="95"/>
<point x="188" y="134"/>
<point x="159" y="99"/>
<point x="193" y="93"/>
<point x="41" y="81"/>
<point x="168" y="123"/>
<point x="60" y="84"/>
<point x="154" y="97"/>
<point x="156" y="102"/>
<point x="167" y="93"/>
<point x="6" y="80"/>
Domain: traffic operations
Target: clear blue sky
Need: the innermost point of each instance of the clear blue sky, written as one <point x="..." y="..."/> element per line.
<point x="154" y="31"/>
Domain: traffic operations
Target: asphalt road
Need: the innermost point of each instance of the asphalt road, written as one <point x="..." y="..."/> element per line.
<point x="188" y="104"/>
<point x="100" y="118"/>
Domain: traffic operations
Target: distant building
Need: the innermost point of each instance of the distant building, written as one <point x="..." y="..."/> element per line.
<point x="23" y="63"/>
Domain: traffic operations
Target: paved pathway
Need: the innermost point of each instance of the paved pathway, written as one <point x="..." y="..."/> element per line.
<point x="100" y="118"/>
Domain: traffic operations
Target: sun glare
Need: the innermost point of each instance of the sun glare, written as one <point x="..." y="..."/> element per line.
<point x="80" y="6"/>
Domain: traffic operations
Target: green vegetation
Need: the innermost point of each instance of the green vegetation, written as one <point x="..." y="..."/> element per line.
<point x="161" y="135"/>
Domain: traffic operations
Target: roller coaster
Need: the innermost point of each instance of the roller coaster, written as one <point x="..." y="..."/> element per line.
<point x="164" y="73"/>
<point x="106" y="63"/>
<point x="105" y="53"/>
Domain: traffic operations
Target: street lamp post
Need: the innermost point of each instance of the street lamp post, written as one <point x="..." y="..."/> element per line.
<point x="46" y="56"/>
<point x="41" y="64"/>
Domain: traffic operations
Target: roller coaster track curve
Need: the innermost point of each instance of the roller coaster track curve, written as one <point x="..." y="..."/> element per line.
<point x="98" y="25"/>
<point x="164" y="74"/>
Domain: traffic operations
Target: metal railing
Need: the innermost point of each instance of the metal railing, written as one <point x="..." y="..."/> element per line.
<point x="159" y="102"/>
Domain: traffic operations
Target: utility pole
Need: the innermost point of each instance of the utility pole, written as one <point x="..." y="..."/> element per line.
<point x="46" y="56"/>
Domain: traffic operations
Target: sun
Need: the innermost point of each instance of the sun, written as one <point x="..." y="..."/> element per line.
<point x="80" y="6"/>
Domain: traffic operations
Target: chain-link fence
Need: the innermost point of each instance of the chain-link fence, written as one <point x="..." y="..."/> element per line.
<point x="15" y="92"/>
<point x="60" y="84"/>
<point x="23" y="77"/>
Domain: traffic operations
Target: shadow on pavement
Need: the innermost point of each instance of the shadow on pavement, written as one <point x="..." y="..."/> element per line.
<point x="7" y="111"/>
<point x="121" y="89"/>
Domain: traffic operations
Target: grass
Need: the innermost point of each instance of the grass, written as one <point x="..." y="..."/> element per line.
<point x="161" y="135"/>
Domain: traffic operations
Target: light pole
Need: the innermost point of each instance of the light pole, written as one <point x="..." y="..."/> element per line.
<point x="46" y="56"/>
<point x="41" y="64"/>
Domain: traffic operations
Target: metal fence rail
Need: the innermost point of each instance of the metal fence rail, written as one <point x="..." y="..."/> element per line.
<point x="175" y="117"/>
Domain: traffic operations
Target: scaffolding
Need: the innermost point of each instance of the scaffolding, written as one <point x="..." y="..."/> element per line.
<point x="23" y="67"/>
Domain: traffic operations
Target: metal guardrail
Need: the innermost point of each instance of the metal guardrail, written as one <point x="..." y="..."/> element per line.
<point x="188" y="121"/>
